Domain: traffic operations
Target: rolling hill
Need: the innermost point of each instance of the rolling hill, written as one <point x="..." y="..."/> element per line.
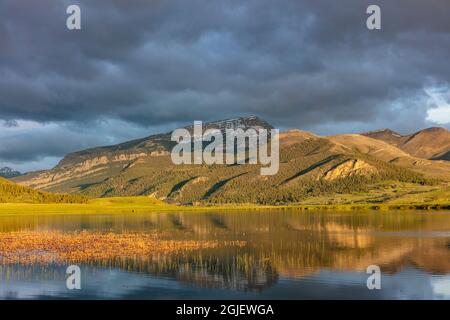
<point x="13" y="193"/>
<point x="431" y="143"/>
<point x="311" y="166"/>
<point x="393" y="155"/>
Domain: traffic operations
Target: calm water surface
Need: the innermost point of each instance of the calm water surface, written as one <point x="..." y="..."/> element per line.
<point x="287" y="255"/>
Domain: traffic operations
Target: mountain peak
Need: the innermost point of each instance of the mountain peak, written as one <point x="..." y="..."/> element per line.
<point x="429" y="143"/>
<point x="387" y="135"/>
<point x="155" y="145"/>
<point x="7" y="172"/>
<point x="385" y="131"/>
<point x="236" y="123"/>
<point x="435" y="130"/>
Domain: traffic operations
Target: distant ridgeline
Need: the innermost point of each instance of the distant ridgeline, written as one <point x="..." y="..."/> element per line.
<point x="13" y="193"/>
<point x="310" y="166"/>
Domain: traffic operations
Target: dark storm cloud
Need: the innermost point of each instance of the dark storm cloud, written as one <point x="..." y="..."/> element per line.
<point x="34" y="147"/>
<point x="304" y="64"/>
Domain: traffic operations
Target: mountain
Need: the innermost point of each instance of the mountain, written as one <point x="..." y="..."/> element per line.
<point x="155" y="145"/>
<point x="310" y="166"/>
<point x="386" y="135"/>
<point x="100" y="163"/>
<point x="393" y="155"/>
<point x="11" y="192"/>
<point x="431" y="143"/>
<point x="7" y="172"/>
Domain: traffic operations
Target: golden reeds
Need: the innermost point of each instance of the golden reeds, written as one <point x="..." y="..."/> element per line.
<point x="30" y="247"/>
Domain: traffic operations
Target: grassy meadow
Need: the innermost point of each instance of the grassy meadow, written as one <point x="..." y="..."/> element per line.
<point x="386" y="197"/>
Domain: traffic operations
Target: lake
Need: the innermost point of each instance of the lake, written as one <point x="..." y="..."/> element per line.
<point x="279" y="254"/>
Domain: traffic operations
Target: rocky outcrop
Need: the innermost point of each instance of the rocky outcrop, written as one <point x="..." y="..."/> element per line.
<point x="350" y="168"/>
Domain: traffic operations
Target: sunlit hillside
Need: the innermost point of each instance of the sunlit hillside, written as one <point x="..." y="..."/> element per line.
<point x="13" y="193"/>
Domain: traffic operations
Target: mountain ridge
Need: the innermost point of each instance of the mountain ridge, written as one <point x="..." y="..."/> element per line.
<point x="430" y="143"/>
<point x="310" y="165"/>
<point x="158" y="144"/>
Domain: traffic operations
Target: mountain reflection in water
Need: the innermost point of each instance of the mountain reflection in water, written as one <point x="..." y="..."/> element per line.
<point x="285" y="254"/>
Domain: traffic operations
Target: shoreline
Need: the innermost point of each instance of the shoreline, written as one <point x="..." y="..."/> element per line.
<point x="139" y="205"/>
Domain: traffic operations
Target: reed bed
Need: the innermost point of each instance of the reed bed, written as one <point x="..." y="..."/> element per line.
<point x="44" y="247"/>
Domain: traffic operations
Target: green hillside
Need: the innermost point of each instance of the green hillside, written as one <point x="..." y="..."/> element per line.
<point x="306" y="170"/>
<point x="13" y="193"/>
<point x="342" y="168"/>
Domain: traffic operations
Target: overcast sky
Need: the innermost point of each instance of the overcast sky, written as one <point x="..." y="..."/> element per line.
<point x="141" y="67"/>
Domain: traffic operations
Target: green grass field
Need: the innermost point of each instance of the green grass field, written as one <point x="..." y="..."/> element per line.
<point x="387" y="197"/>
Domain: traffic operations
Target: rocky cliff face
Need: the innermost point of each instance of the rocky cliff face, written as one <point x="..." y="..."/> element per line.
<point x="348" y="168"/>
